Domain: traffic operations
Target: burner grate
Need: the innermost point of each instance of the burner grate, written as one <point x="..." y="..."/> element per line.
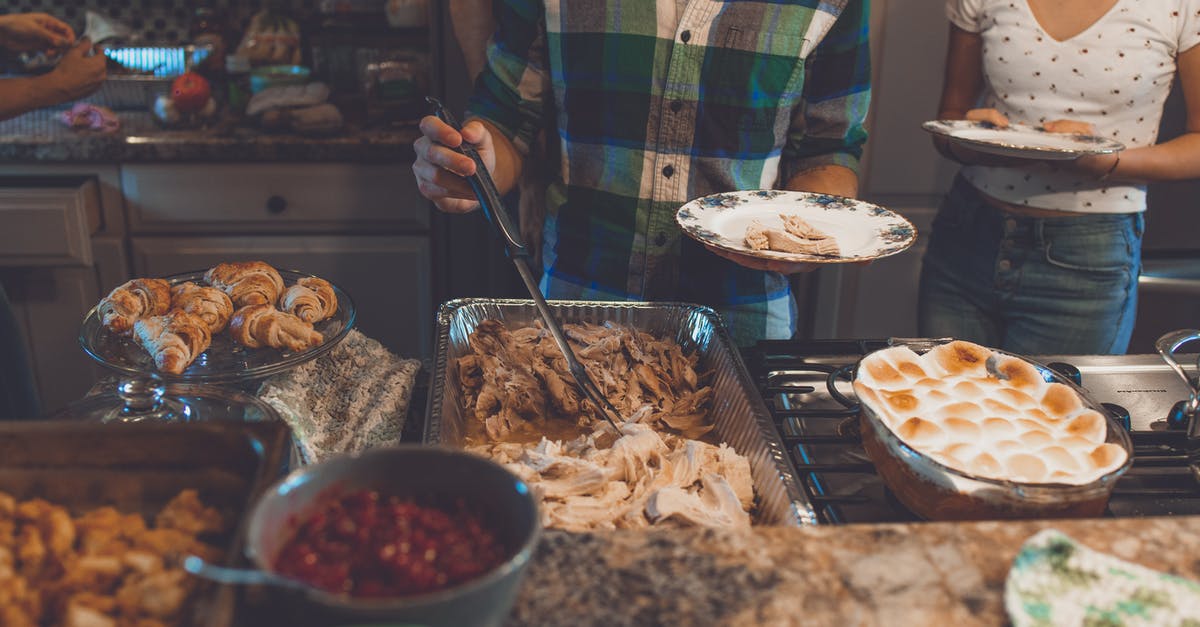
<point x="806" y="384"/>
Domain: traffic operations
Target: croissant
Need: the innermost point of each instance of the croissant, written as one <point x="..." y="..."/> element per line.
<point x="246" y="282"/>
<point x="311" y="299"/>
<point x="255" y="326"/>
<point x="174" y="339"/>
<point x="207" y="303"/>
<point x="132" y="300"/>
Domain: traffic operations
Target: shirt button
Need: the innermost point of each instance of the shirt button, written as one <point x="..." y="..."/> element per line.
<point x="686" y="36"/>
<point x="660" y="239"/>
<point x="1004" y="265"/>
<point x="668" y="171"/>
<point x="676" y="106"/>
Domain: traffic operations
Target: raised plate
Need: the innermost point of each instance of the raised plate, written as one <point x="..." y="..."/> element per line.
<point x="864" y="231"/>
<point x="1021" y="140"/>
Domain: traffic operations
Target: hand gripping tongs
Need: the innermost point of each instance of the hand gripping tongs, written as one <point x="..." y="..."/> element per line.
<point x="493" y="208"/>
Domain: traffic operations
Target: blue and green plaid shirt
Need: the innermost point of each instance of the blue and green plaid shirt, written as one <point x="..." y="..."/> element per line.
<point x="653" y="104"/>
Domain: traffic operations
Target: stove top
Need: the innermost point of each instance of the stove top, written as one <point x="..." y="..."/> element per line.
<point x="806" y="387"/>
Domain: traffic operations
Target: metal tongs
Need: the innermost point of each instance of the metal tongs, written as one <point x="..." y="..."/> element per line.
<point x="493" y="208"/>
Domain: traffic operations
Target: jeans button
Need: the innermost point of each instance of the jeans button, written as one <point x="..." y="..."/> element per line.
<point x="1010" y="225"/>
<point x="1004" y="265"/>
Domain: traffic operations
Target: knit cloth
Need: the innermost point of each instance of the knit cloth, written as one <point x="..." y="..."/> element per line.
<point x="353" y="398"/>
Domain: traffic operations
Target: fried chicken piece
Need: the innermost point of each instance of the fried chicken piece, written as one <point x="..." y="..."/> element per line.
<point x="159" y="595"/>
<point x="186" y="513"/>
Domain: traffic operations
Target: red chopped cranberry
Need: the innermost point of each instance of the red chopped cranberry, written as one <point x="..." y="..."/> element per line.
<point x="368" y="546"/>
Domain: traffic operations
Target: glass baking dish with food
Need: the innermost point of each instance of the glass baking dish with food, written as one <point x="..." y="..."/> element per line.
<point x="739" y="417"/>
<point x="110" y="511"/>
<point x="962" y="432"/>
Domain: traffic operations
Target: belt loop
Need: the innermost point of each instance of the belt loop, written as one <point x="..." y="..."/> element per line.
<point x="1039" y="231"/>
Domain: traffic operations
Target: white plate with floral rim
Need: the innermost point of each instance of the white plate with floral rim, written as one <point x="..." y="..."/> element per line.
<point x="863" y="231"/>
<point x="1021" y="140"/>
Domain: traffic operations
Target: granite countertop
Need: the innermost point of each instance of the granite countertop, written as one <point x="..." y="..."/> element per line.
<point x="38" y="136"/>
<point x="910" y="574"/>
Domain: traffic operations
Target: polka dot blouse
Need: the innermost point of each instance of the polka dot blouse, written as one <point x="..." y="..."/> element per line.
<point x="1116" y="74"/>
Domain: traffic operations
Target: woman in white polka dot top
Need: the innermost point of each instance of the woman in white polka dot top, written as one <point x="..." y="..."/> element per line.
<point x="1043" y="257"/>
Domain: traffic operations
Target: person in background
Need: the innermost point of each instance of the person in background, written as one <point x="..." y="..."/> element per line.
<point x="652" y="104"/>
<point x="1044" y="257"/>
<point x="474" y="24"/>
<point x="78" y="74"/>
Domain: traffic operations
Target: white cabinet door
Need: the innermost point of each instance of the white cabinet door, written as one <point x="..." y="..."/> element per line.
<point x="387" y="276"/>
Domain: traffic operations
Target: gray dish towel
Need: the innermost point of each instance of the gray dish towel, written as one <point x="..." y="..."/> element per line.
<point x="351" y="399"/>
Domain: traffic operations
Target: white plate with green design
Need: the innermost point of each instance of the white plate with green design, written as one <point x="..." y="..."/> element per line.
<point x="1021" y="140"/>
<point x="1055" y="581"/>
<point x="863" y="231"/>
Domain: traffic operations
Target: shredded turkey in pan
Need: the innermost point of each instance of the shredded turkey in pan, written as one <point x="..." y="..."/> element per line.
<point x="530" y="416"/>
<point x="517" y="383"/>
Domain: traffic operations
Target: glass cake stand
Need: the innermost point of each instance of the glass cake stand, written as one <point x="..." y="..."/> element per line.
<point x="145" y="390"/>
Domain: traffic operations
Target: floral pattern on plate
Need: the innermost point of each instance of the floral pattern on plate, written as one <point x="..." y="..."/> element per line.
<point x="864" y="231"/>
<point x="1022" y="140"/>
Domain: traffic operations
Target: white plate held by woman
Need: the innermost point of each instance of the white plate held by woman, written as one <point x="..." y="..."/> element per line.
<point x="1021" y="141"/>
<point x="863" y="231"/>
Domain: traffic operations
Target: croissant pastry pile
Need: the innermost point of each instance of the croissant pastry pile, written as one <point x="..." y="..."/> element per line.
<point x="311" y="299"/>
<point x="133" y="300"/>
<point x="246" y="282"/>
<point x="207" y="303"/>
<point x="175" y="324"/>
<point x="173" y="339"/>
<point x="263" y="325"/>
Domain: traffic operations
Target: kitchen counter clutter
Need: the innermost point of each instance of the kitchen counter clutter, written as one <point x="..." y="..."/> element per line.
<point x="912" y="574"/>
<point x="40" y="137"/>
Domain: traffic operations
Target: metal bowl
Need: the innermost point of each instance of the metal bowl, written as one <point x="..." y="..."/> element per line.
<point x="427" y="474"/>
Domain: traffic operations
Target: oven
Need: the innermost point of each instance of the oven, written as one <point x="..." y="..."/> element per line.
<point x="806" y="387"/>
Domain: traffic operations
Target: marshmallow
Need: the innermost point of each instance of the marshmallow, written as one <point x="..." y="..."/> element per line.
<point x="987" y="414"/>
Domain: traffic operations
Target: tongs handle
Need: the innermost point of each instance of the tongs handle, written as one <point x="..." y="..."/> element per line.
<point x="485" y="189"/>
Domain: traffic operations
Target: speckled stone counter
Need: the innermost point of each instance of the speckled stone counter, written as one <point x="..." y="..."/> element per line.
<point x="918" y="574"/>
<point x="39" y="137"/>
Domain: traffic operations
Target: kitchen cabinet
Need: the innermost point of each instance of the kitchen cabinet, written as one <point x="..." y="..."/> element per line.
<point x="364" y="227"/>
<point x="69" y="234"/>
<point x="388" y="277"/>
<point x="55" y="254"/>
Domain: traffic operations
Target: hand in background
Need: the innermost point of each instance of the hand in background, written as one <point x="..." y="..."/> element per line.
<point x="76" y="75"/>
<point x="440" y="170"/>
<point x="30" y="32"/>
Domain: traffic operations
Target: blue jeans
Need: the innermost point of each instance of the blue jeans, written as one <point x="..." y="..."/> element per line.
<point x="1030" y="285"/>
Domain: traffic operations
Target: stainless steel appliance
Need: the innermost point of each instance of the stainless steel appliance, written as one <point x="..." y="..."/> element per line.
<point x="806" y="386"/>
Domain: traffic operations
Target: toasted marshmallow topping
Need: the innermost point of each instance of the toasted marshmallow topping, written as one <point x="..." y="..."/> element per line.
<point x="987" y="414"/>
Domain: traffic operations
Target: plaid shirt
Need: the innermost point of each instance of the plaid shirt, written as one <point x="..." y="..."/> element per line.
<point x="654" y="105"/>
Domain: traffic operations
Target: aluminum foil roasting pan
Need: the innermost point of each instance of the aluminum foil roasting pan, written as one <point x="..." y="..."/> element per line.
<point x="741" y="419"/>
